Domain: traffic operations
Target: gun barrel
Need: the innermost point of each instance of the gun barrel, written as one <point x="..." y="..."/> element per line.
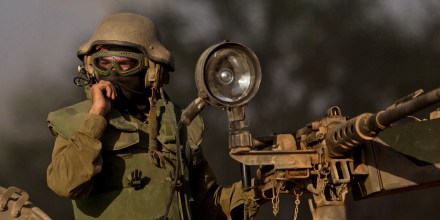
<point x="348" y="135"/>
<point x="385" y="118"/>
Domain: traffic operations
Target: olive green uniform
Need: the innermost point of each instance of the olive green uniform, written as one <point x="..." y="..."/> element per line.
<point x="94" y="158"/>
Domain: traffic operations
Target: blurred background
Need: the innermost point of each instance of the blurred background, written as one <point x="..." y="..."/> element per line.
<point x="360" y="55"/>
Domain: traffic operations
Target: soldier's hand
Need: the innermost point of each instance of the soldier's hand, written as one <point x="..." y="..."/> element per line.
<point x="102" y="92"/>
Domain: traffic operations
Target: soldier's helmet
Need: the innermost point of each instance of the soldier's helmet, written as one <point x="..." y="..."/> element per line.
<point x="128" y="30"/>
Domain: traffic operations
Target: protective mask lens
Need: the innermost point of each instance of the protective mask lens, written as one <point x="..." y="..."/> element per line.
<point x="125" y="63"/>
<point x="122" y="64"/>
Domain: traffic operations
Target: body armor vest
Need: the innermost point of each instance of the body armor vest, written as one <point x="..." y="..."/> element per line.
<point x="129" y="185"/>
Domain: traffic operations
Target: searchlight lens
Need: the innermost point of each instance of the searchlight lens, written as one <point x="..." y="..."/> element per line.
<point x="230" y="74"/>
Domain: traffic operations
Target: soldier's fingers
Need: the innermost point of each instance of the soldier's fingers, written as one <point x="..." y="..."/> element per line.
<point x="98" y="88"/>
<point x="108" y="89"/>
<point x="113" y="94"/>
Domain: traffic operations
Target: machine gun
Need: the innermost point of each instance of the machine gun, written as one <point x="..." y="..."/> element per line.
<point x="321" y="158"/>
<point x="326" y="158"/>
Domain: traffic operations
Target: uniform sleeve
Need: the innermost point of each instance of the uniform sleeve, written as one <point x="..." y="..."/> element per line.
<point x="75" y="160"/>
<point x="212" y="201"/>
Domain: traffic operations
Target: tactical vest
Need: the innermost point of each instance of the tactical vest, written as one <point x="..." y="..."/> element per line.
<point x="129" y="185"/>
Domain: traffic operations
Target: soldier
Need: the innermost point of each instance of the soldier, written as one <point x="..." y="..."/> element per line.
<point x="115" y="152"/>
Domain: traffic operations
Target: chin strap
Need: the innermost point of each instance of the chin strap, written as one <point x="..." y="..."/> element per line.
<point x="156" y="156"/>
<point x="152" y="81"/>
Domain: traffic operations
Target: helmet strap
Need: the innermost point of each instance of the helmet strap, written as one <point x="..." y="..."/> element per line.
<point x="151" y="75"/>
<point x="155" y="153"/>
<point x="152" y="80"/>
<point x="157" y="75"/>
